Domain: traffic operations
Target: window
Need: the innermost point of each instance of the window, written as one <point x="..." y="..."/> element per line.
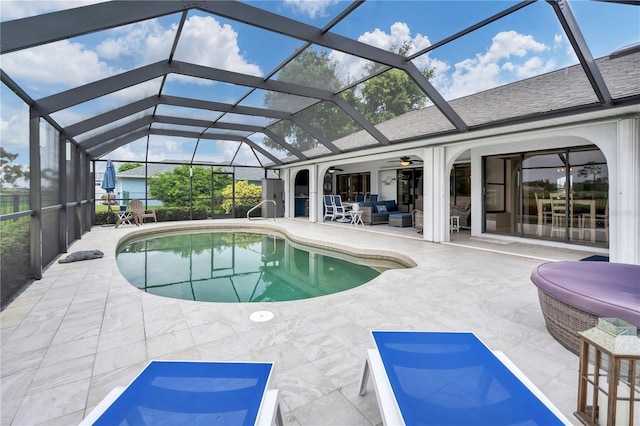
<point x="460" y="185"/>
<point x="349" y="185"/>
<point x="494" y="194"/>
<point x="520" y="190"/>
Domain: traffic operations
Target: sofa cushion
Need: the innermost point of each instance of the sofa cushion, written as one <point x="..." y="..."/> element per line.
<point x="378" y="203"/>
<point x="391" y="205"/>
<point x="381" y="208"/>
<point x="367" y="204"/>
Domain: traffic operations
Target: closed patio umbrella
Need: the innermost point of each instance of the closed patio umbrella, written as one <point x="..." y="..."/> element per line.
<point x="109" y="181"/>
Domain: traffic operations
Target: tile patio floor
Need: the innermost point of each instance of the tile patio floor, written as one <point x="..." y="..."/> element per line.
<point x="72" y="336"/>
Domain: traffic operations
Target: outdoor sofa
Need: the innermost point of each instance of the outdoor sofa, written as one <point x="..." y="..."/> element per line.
<point x="374" y="213"/>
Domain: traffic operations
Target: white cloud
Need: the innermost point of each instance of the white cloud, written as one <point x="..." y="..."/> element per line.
<point x="311" y="8"/>
<point x="506" y="44"/>
<point x="14" y="132"/>
<point x="353" y="68"/>
<point x="205" y="42"/>
<point x="127" y="154"/>
<point x="508" y="58"/>
<point x="136" y="42"/>
<point x="61" y="63"/>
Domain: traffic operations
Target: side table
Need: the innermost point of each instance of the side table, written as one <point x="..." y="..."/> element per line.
<point x="356" y="217"/>
<point x="124" y="218"/>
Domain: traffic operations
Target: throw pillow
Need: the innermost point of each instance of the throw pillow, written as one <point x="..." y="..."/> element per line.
<point x="382" y="208"/>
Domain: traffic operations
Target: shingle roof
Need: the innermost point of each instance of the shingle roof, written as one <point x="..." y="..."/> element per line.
<point x="551" y="92"/>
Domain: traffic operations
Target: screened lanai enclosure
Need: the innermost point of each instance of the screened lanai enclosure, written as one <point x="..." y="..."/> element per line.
<point x="215" y="93"/>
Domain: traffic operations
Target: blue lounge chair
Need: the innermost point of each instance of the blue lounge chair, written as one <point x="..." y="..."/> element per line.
<point x="373" y="198"/>
<point x="451" y="378"/>
<point x="193" y="393"/>
<point x="329" y="209"/>
<point x="359" y="198"/>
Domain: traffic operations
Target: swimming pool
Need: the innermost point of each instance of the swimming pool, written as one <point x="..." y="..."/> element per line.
<point x="241" y="266"/>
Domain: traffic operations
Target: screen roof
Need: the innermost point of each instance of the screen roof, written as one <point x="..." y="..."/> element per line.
<point x="267" y="83"/>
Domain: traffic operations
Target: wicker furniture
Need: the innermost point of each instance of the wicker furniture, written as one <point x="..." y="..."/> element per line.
<point x="564" y="321"/>
<point x="463" y="212"/>
<point x="418" y="218"/>
<point x="573" y="295"/>
<point x="401" y="220"/>
<point x="373" y="215"/>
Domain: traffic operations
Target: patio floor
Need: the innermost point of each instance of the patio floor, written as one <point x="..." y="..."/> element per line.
<point x="72" y="336"/>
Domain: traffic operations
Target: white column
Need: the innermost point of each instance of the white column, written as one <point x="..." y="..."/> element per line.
<point x="315" y="187"/>
<point x="440" y="176"/>
<point x="624" y="207"/>
<point x="289" y="196"/>
<point x="433" y="192"/>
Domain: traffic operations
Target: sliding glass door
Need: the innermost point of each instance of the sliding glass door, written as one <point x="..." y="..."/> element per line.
<point x="559" y="195"/>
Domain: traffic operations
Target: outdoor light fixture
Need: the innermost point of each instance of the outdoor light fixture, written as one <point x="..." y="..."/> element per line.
<point x="609" y="379"/>
<point x="405" y="162"/>
<point x="331" y="170"/>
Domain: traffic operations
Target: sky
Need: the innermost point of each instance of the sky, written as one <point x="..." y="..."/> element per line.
<point x="527" y="43"/>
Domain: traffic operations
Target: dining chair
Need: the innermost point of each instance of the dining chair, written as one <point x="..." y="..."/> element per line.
<point x="558" y="215"/>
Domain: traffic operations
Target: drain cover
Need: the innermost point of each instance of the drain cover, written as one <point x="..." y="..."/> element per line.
<point x="261" y="316"/>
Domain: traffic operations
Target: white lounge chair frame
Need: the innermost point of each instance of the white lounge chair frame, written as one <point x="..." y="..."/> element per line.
<point x="339" y="211"/>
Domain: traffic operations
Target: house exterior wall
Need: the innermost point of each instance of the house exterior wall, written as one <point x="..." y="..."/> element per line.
<point x="135" y="188"/>
<point x="618" y="138"/>
<point x="618" y="141"/>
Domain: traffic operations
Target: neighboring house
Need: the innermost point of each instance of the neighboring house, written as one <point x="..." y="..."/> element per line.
<point x="130" y="184"/>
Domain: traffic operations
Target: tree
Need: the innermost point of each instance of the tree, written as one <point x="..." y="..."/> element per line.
<point x="590" y="169"/>
<point x="378" y="99"/>
<point x="389" y="94"/>
<point x="128" y="166"/>
<point x="10" y="173"/>
<point x="173" y="188"/>
<point x="315" y="68"/>
<point x="246" y="195"/>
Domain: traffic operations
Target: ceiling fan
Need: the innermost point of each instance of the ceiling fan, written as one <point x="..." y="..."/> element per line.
<point x="332" y="170"/>
<point x="405" y="161"/>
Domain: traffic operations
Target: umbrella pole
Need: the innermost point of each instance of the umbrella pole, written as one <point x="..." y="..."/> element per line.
<point x="109" y="210"/>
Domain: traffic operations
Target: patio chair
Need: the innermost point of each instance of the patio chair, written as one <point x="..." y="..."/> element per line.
<point x="373" y="198"/>
<point x="451" y="378"/>
<point x="340" y="212"/>
<point x="193" y="393"/>
<point x="359" y="198"/>
<point x="585" y="222"/>
<point x="329" y="209"/>
<point x="544" y="213"/>
<point x="558" y="215"/>
<point x="139" y="212"/>
<point x="417" y="216"/>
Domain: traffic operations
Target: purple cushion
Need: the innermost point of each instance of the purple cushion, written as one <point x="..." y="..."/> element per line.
<point x="610" y="290"/>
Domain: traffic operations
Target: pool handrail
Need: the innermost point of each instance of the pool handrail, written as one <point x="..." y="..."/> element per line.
<point x="260" y="205"/>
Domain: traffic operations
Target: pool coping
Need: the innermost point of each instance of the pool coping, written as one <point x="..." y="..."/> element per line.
<point x="368" y="253"/>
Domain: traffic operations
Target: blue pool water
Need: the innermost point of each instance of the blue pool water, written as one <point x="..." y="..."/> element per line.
<point x="222" y="266"/>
